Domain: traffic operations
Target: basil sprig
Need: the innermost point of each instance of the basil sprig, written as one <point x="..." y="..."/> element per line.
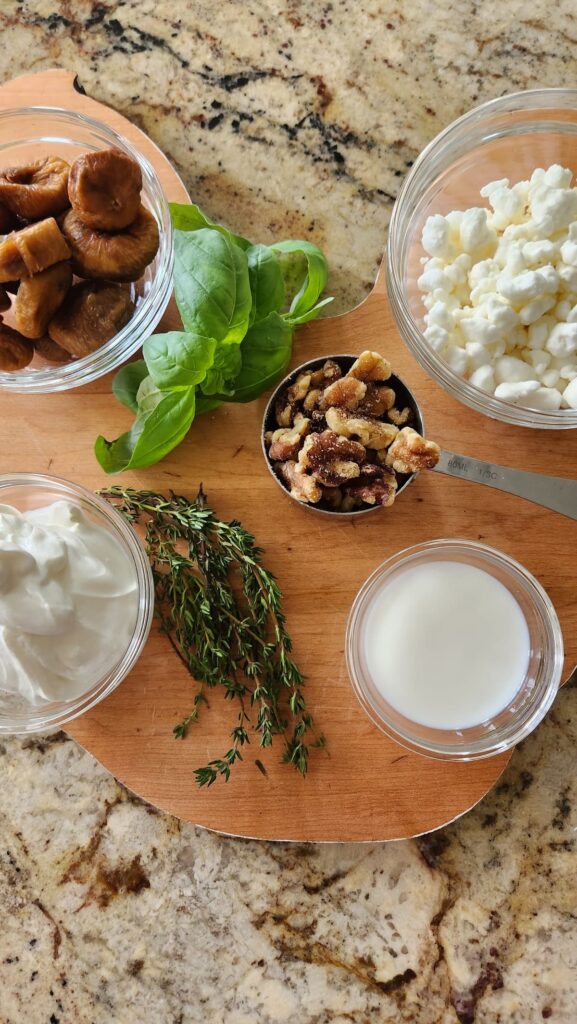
<point x="236" y="340"/>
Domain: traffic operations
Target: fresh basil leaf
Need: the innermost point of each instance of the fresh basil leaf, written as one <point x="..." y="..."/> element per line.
<point x="236" y="342"/>
<point x="127" y="382"/>
<point x="153" y="434"/>
<point x="266" y="351"/>
<point x="294" y="321"/>
<point x="148" y="396"/>
<point x="189" y="217"/>
<point x="178" y="360"/>
<point x="211" y="285"/>
<point x="266" y="282"/>
<point x="226" y="366"/>
<point x="205" y="404"/>
<point x="293" y="267"/>
<point x="315" y="277"/>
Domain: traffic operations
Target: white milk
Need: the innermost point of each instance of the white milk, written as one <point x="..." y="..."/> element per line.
<point x="446" y="644"/>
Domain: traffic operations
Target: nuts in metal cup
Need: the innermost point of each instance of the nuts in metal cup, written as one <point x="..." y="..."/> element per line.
<point x="308" y="459"/>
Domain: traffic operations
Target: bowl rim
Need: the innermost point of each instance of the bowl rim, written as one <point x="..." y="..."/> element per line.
<point x="440" y="371"/>
<point x="35" y="720"/>
<point x="285" y="382"/>
<point x="492" y="744"/>
<point x="127" y="341"/>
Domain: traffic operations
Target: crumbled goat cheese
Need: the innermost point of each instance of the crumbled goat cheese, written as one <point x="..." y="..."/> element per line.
<point x="499" y="285"/>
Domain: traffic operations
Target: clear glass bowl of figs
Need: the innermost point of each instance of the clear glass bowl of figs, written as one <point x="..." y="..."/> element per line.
<point x="86" y="253"/>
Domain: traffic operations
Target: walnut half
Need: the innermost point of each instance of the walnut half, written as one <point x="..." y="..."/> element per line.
<point x="410" y="452"/>
<point x="346" y="392"/>
<point x="377" y="401"/>
<point x="400" y="416"/>
<point x="286" y="441"/>
<point x="329" y="372"/>
<point x="375" y="488"/>
<point x="332" y="460"/>
<point x="301" y="486"/>
<point x="370" y="366"/>
<point x="370" y="432"/>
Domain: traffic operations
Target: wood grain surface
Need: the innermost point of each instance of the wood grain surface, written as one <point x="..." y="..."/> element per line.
<point x="364" y="787"/>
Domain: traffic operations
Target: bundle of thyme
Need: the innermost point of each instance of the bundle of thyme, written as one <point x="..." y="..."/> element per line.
<point x="222" y="612"/>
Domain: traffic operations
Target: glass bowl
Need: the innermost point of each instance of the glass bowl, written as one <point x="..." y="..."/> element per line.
<point x="39" y="131"/>
<point x="505" y="138"/>
<point x="26" y="491"/>
<point x="531" y="702"/>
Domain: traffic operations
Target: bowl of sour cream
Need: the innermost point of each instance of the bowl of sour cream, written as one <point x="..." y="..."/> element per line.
<point x="454" y="650"/>
<point x="76" y="601"/>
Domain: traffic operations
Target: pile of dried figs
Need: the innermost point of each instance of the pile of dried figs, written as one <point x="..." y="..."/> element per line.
<point x="61" y="222"/>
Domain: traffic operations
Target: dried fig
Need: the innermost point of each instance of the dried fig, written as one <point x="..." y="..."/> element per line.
<point x="4" y="300"/>
<point x="104" y="189"/>
<point x="117" y="257"/>
<point x="47" y="349"/>
<point x="16" y="352"/>
<point x="7" y="220"/>
<point x="93" y="313"/>
<point x="41" y="245"/>
<point x="37" y="189"/>
<point x="39" y="297"/>
<point x="11" y="263"/>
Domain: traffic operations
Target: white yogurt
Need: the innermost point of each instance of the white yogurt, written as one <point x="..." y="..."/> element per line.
<point x="446" y="644"/>
<point x="68" y="603"/>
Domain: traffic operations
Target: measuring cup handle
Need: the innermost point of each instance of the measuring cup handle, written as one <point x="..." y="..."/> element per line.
<point x="554" y="492"/>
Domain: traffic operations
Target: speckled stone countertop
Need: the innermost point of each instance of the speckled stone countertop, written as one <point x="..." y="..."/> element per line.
<point x="295" y="118"/>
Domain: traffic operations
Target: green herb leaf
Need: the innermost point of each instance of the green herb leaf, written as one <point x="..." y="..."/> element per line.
<point x="206" y="404"/>
<point x="236" y="342"/>
<point x="266" y="281"/>
<point x="226" y="366"/>
<point x="148" y="396"/>
<point x="311" y="315"/>
<point x="211" y="285"/>
<point x="189" y="217"/>
<point x="315" y="276"/>
<point x="222" y="611"/>
<point x="265" y="352"/>
<point x="154" y="433"/>
<point x="127" y="382"/>
<point x="178" y="360"/>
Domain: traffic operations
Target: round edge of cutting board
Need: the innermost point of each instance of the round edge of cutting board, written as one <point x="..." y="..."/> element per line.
<point x="279" y="836"/>
<point x="57" y="88"/>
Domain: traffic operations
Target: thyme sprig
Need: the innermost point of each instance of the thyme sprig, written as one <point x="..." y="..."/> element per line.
<point x="221" y="610"/>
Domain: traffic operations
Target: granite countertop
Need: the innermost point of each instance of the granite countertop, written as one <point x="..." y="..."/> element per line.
<point x="294" y="117"/>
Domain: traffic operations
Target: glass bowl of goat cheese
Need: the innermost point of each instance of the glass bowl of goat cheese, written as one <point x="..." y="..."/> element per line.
<point x="482" y="259"/>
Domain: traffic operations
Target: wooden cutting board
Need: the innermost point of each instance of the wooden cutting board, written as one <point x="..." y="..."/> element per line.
<point x="364" y="787"/>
